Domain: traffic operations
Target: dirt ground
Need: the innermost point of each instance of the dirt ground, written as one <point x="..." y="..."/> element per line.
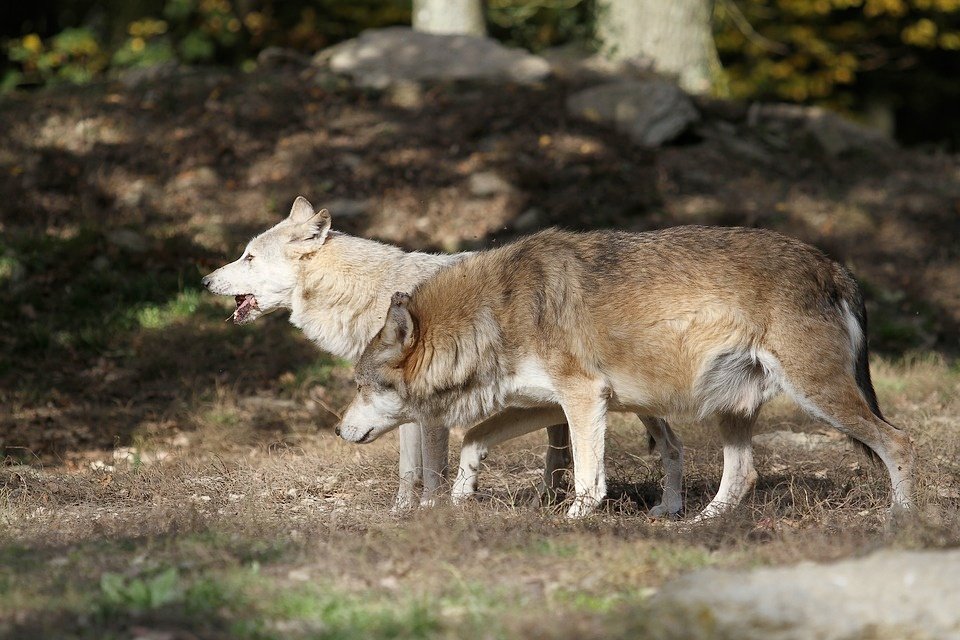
<point x="170" y="475"/>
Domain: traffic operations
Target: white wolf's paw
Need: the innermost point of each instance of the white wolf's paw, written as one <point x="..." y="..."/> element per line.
<point x="460" y="498"/>
<point x="582" y="507"/>
<point x="428" y="502"/>
<point x="403" y="503"/>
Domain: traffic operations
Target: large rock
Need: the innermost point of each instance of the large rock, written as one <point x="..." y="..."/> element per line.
<point x="651" y="111"/>
<point x="890" y="595"/>
<point x="379" y="58"/>
<point x="830" y="132"/>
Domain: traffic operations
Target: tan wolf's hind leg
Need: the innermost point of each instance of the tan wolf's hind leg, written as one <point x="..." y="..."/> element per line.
<point x="668" y="445"/>
<point x="665" y="441"/>
<point x="739" y="474"/>
<point x="840" y="403"/>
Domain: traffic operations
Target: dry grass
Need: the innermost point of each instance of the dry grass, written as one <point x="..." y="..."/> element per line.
<point x="219" y="534"/>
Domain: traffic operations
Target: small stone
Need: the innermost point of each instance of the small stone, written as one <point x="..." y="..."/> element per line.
<point x="651" y="111"/>
<point x="273" y="57"/>
<point x="128" y="240"/>
<point x="201" y="177"/>
<point x="406" y="94"/>
<point x="528" y="220"/>
<point x="487" y="184"/>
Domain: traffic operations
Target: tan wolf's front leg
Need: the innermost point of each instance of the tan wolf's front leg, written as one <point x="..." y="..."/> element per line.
<point x="585" y="405"/>
<point x="435" y="448"/>
<point x="411" y="469"/>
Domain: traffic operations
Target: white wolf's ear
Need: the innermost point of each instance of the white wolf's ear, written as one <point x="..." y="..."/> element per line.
<point x="312" y="233"/>
<point x="398" y="329"/>
<point x="301" y="211"/>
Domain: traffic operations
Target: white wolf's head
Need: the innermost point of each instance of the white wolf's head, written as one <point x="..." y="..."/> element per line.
<point x="263" y="278"/>
<point x="381" y="401"/>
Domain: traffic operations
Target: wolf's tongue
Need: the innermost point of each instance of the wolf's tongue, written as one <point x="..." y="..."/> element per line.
<point x="244" y="304"/>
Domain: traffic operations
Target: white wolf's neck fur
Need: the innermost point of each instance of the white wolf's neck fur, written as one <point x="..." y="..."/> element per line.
<point x="343" y="290"/>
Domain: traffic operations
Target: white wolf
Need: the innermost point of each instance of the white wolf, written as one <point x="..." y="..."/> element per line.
<point x="694" y="321"/>
<point x="337" y="288"/>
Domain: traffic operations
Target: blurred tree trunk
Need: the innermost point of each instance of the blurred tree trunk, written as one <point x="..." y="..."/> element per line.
<point x="449" y="16"/>
<point x="674" y="37"/>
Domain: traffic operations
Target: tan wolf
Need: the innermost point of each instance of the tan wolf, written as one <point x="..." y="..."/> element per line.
<point x="689" y="321"/>
<point x="337" y="288"/>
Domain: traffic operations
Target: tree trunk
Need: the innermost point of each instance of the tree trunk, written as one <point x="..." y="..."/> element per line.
<point x="449" y="16"/>
<point x="673" y="37"/>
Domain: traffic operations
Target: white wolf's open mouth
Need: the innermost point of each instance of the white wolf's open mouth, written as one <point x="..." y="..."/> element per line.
<point x="245" y="304"/>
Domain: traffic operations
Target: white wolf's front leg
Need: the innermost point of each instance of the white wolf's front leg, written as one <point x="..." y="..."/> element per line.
<point x="585" y="405"/>
<point x="435" y="448"/>
<point x="555" y="464"/>
<point x="411" y="469"/>
<point x="507" y="424"/>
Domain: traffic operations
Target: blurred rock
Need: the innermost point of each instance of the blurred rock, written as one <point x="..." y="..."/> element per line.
<point x="136" y="193"/>
<point x="651" y="112"/>
<point x="347" y="208"/>
<point x="128" y="240"/>
<point x="833" y="134"/>
<point x="529" y="220"/>
<point x="198" y="178"/>
<point x="577" y="64"/>
<point x="488" y="183"/>
<point x="273" y="57"/>
<point x="381" y="57"/>
<point x="136" y="76"/>
<point x="890" y="595"/>
<point x="406" y="94"/>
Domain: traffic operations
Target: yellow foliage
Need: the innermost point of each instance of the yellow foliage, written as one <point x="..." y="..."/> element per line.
<point x="32" y="43"/>
<point x="255" y="21"/>
<point x="949" y="41"/>
<point x="922" y="33"/>
<point x="147" y="28"/>
<point x="874" y="8"/>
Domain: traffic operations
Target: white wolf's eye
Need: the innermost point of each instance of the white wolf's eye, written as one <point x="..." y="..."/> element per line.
<point x="248" y="258"/>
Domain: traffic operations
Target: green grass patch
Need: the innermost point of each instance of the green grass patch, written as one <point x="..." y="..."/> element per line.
<point x="158" y="316"/>
<point x="553" y="548"/>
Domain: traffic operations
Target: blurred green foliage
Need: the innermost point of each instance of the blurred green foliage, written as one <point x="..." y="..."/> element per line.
<point x="843" y="53"/>
<point x="189" y="31"/>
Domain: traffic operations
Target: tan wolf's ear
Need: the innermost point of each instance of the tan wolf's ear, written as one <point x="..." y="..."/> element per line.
<point x="398" y="329"/>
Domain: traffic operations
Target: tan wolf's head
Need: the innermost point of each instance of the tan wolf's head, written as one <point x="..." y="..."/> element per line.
<point x="263" y="278"/>
<point x="380" y="403"/>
